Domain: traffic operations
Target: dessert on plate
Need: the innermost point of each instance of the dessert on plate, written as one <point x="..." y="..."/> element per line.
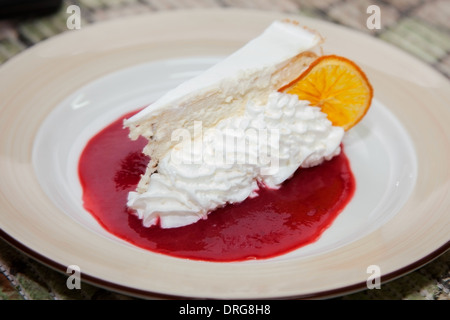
<point x="249" y="122"/>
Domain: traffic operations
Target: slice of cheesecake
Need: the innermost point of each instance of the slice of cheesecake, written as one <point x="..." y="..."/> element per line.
<point x="236" y="99"/>
<point x="266" y="63"/>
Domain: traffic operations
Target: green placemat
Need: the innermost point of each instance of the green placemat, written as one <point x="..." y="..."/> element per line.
<point x="422" y="28"/>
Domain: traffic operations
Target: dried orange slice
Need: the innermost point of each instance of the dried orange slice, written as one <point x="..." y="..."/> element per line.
<point x="336" y="85"/>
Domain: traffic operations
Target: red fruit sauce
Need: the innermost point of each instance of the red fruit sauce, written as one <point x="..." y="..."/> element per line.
<point x="274" y="223"/>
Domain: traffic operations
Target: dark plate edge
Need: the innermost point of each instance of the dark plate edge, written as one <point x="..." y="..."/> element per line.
<point x="138" y="293"/>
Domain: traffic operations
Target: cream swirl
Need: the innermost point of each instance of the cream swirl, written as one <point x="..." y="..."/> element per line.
<point x="230" y="162"/>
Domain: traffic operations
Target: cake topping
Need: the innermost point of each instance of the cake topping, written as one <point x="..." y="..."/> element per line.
<point x="336" y="85"/>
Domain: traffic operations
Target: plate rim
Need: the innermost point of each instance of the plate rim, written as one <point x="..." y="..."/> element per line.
<point x="139" y="293"/>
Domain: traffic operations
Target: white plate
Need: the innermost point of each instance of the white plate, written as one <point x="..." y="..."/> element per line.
<point x="65" y="132"/>
<point x="398" y="218"/>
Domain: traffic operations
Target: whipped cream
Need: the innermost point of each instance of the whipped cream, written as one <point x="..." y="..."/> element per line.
<point x="230" y="162"/>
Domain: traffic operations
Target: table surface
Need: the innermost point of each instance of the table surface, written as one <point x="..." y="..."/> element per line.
<point x="421" y="28"/>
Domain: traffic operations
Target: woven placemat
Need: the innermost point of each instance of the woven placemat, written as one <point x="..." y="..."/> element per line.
<point x="421" y="28"/>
